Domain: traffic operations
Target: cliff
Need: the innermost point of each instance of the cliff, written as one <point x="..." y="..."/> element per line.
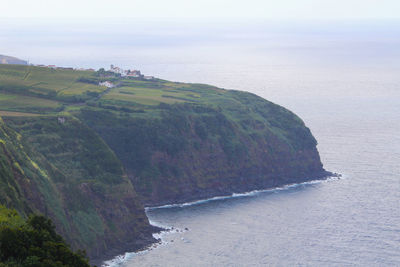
<point x="89" y="156"/>
<point x="192" y="151"/>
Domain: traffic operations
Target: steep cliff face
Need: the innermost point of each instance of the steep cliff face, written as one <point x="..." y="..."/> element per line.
<point x="196" y="151"/>
<point x="64" y="170"/>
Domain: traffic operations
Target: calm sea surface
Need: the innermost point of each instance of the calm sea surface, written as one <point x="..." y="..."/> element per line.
<point x="342" y="79"/>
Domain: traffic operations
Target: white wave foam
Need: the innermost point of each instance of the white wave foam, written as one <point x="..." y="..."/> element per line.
<point x="246" y="194"/>
<point x="161" y="236"/>
<point x="117" y="261"/>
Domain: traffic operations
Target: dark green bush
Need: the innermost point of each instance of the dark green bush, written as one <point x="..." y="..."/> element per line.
<point x="36" y="243"/>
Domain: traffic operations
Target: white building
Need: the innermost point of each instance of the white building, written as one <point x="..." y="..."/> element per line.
<point x="107" y="84"/>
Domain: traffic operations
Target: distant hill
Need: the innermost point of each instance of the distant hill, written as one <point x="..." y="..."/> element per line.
<point x="12" y="60"/>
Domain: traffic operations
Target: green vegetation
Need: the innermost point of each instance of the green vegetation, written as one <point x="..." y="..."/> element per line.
<point x="49" y="91"/>
<point x="71" y="147"/>
<point x="170" y="148"/>
<point x="17" y="114"/>
<point x="34" y="243"/>
<point x="54" y="84"/>
<point x="12" y="102"/>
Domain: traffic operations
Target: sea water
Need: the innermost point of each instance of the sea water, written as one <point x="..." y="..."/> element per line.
<point x="342" y="79"/>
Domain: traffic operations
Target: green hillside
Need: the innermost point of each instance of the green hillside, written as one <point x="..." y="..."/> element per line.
<point x="45" y="91"/>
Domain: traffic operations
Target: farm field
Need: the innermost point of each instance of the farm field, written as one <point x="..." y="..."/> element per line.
<point x="12" y="102"/>
<point x="41" y="81"/>
<point x="31" y="89"/>
<point x="147" y="96"/>
<point x="17" y="114"/>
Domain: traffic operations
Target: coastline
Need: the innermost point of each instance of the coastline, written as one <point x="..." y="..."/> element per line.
<point x="240" y="186"/>
<point x="315" y="180"/>
<point x="159" y="236"/>
<point x="161" y="230"/>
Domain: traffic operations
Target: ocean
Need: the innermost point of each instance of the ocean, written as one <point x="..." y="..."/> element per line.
<point x="341" y="78"/>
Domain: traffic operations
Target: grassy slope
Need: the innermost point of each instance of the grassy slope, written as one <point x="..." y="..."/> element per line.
<point x="41" y="84"/>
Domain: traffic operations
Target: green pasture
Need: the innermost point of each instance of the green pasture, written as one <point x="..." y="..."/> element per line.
<point x="80" y="88"/>
<point x="149" y="96"/>
<point x="31" y="80"/>
<point x="11" y="102"/>
<point x="17" y="114"/>
<point x="43" y="90"/>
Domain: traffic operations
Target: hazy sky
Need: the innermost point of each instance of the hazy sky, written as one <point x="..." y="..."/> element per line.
<point x="264" y="9"/>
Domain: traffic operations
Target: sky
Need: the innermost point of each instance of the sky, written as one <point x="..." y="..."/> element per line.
<point x="200" y="9"/>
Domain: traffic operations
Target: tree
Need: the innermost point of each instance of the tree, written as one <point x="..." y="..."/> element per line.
<point x="36" y="244"/>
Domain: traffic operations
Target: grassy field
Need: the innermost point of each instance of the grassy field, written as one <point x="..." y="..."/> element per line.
<point x="34" y="89"/>
<point x="44" y="90"/>
<point x="144" y="96"/>
<point x="17" y="114"/>
<point x="22" y="103"/>
<point x="45" y="82"/>
<point x="152" y="93"/>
